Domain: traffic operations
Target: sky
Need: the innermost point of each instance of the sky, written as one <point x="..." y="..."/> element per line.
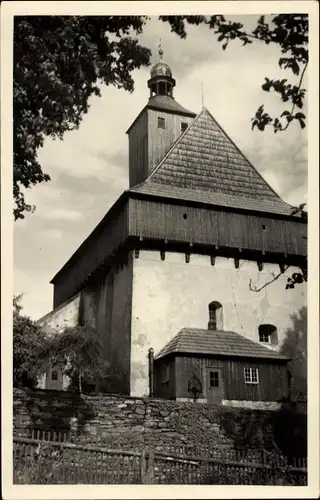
<point x="89" y="168"/>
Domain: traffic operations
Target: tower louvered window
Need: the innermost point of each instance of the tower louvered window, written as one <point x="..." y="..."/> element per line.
<point x="161" y="122"/>
<point x="184" y="126"/>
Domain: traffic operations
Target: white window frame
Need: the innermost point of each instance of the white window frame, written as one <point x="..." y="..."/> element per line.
<point x="248" y="375"/>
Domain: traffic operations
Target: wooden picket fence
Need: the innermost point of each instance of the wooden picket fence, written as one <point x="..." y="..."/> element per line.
<point x="49" y="458"/>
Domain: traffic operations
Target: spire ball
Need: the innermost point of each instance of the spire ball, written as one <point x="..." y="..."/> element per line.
<point x="160" y="68"/>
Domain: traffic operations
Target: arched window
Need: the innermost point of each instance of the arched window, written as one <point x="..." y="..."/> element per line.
<point x="215" y="316"/>
<point x="268" y="334"/>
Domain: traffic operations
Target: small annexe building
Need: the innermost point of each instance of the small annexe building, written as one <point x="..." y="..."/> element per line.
<point x="224" y="368"/>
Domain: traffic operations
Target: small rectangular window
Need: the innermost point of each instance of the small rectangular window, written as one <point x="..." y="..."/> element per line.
<point x="54" y="375"/>
<point x="268" y="334"/>
<point x="184" y="126"/>
<point x="264" y="337"/>
<point x="214" y="379"/>
<point x="251" y="376"/>
<point x="161" y="122"/>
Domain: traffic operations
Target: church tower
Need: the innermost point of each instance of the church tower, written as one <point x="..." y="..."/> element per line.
<point x="158" y="125"/>
<point x="195" y="242"/>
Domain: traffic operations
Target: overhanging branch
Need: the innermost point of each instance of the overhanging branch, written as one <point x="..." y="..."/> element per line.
<point x="275" y="277"/>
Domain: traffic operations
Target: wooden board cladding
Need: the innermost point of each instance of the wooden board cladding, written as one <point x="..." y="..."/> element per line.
<point x="163" y="389"/>
<point x="185" y="368"/>
<point x="161" y="139"/>
<point x="272" y="386"/>
<point x="210" y="226"/>
<point x="138" y="150"/>
<point x="104" y="240"/>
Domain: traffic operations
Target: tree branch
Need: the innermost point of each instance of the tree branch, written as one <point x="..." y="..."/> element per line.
<point x="299" y="86"/>
<point x="275" y="277"/>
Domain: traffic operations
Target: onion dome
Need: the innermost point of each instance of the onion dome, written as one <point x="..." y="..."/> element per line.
<point x="161" y="81"/>
<point x="161" y="68"/>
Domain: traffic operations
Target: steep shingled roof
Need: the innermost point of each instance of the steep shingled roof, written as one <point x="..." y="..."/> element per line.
<point x="217" y="342"/>
<point x="205" y="165"/>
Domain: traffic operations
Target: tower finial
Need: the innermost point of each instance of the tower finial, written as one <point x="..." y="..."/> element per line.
<point x="160" y="50"/>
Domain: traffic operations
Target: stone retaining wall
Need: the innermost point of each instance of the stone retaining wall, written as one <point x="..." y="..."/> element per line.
<point x="132" y="423"/>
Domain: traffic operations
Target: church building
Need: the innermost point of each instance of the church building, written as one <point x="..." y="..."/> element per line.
<point x="191" y="244"/>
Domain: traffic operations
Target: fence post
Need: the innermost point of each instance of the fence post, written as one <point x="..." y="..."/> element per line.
<point x="143" y="466"/>
<point x="147" y="464"/>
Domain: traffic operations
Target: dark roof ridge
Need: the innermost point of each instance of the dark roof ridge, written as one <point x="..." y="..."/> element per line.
<point x="168" y="103"/>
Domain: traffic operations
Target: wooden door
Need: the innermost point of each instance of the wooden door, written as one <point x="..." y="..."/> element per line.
<point x="214" y="385"/>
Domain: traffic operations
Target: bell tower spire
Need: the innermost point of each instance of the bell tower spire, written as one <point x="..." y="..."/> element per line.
<point x="160" y="50"/>
<point x="161" y="81"/>
<point x="158" y="125"/>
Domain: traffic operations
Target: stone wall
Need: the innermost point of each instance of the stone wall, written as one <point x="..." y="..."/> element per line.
<point x="119" y="421"/>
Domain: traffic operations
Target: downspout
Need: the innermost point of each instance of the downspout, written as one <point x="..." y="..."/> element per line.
<point x="151" y="372"/>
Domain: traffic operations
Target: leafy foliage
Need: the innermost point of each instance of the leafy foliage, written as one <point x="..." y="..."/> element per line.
<point x="296" y="279"/>
<point x="29" y="348"/>
<point x="78" y="352"/>
<point x="295" y="347"/>
<point x="58" y="63"/>
<point x="287" y="31"/>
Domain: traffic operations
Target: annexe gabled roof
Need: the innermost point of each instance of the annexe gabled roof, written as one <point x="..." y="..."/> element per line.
<point x="205" y="163"/>
<point x="217" y="342"/>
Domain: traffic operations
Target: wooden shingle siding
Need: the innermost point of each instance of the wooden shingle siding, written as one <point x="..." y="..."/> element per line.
<point x="217" y="343"/>
<point x="205" y="158"/>
<point x="205" y="226"/>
